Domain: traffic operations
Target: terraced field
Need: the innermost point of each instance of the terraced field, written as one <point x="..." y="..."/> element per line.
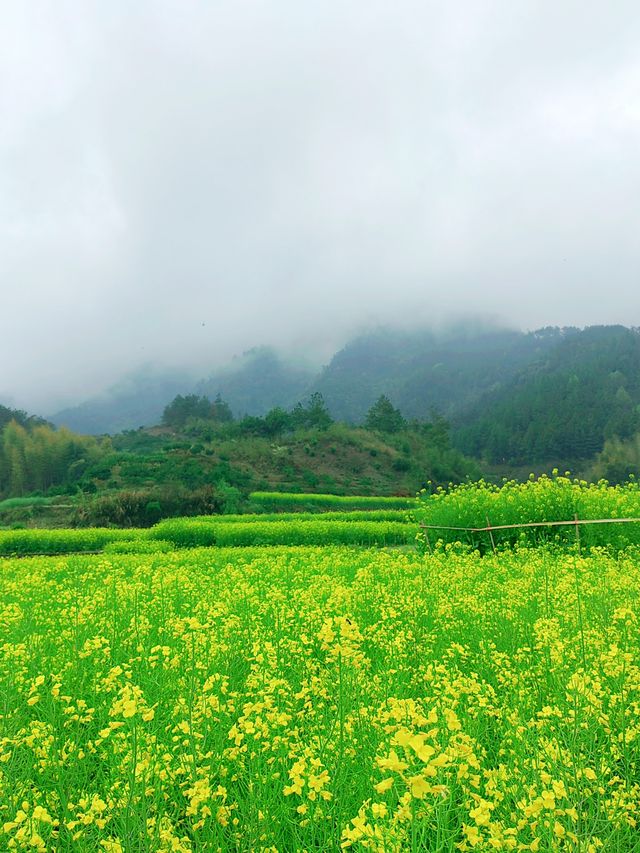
<point x="383" y="527"/>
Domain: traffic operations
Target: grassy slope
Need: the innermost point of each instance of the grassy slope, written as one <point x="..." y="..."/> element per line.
<point x="349" y="461"/>
<point x="340" y="460"/>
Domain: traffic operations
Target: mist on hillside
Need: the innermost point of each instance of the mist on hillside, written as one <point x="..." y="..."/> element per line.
<point x="265" y="377"/>
<point x="183" y="182"/>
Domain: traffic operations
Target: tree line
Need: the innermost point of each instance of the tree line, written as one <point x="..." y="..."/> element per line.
<point x="383" y="416"/>
<point x="35" y="458"/>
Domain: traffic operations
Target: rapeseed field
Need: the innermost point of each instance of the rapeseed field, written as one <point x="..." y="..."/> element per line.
<point x="320" y="698"/>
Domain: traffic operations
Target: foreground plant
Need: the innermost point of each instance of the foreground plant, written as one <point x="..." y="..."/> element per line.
<point x="320" y="698"/>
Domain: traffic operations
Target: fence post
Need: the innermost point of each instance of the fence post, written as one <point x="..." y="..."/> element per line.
<point x="493" y="544"/>
<point x="575" y="517"/>
<point x="426" y="536"/>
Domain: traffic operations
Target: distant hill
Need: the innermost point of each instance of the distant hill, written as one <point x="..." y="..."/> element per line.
<point x="138" y="400"/>
<point x="252" y="384"/>
<point x="258" y="381"/>
<point x="563" y="405"/>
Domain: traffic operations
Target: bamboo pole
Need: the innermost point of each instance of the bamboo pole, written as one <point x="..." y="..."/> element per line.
<point x="573" y="521"/>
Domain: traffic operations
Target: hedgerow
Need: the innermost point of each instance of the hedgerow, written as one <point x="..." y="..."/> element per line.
<point x="286" y="501"/>
<point x="187" y="533"/>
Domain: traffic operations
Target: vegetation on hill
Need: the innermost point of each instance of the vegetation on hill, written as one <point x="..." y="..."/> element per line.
<point x="36" y="458"/>
<point x="554" y="398"/>
<point x="547" y="398"/>
<point x="21" y="418"/>
<point x="203" y="461"/>
<point x="562" y="408"/>
<point x="419" y="371"/>
<point x="618" y="460"/>
<point x="423" y="371"/>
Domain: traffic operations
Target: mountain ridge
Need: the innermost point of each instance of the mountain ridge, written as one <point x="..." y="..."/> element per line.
<point x="512" y="397"/>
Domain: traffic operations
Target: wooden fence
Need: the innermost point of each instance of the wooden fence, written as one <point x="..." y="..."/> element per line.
<point x="575" y="522"/>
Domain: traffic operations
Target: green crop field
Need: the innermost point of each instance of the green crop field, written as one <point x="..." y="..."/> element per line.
<point x="335" y="515"/>
<point x="274" y="501"/>
<point x="318" y="699"/>
<point x="322" y="695"/>
<point x="189" y="534"/>
<point x="555" y="498"/>
<point x="213" y="530"/>
<point x="60" y="541"/>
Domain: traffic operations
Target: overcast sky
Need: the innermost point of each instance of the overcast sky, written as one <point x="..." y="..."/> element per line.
<point x="182" y="180"/>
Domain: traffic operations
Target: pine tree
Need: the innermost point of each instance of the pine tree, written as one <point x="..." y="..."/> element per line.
<point x="384" y="417"/>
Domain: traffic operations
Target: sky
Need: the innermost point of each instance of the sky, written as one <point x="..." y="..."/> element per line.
<point x="181" y="181"/>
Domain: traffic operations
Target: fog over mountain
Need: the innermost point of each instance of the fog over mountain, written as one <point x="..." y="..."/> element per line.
<point x="180" y="181"/>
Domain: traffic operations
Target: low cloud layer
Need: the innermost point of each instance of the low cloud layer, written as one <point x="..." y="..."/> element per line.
<point x="182" y="180"/>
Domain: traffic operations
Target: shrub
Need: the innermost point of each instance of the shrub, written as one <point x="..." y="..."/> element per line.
<point x="145" y="507"/>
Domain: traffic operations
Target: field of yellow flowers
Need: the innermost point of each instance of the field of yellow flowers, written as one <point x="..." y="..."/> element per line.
<point x="320" y="698"/>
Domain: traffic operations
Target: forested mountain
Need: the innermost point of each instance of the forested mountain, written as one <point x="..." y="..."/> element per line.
<point x="422" y="370"/>
<point x="258" y="381"/>
<point x="418" y="370"/>
<point x="564" y="405"/>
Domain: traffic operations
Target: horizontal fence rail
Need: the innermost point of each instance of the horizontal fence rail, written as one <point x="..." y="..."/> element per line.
<point x="575" y="523"/>
<point x="572" y="523"/>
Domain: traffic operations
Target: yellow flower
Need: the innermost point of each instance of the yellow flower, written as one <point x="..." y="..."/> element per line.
<point x="392" y="762"/>
<point x="481" y="813"/>
<point x="385" y="785"/>
<point x="128" y="708"/>
<point x="111" y="845"/>
<point x="41" y="814"/>
<point x="548" y="800"/>
<point x="419" y="787"/>
<point x="472" y="834"/>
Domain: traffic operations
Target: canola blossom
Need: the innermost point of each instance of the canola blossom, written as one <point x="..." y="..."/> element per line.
<point x="541" y="499"/>
<point x="320" y="698"/>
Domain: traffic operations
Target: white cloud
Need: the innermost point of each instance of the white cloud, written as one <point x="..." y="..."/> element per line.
<point x="267" y="168"/>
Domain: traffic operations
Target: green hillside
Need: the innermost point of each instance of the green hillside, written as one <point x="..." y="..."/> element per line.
<point x="562" y="407"/>
<point x="421" y="371"/>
